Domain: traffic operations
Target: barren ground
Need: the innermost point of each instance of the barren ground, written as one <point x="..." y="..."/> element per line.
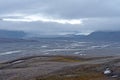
<point x="59" y="68"/>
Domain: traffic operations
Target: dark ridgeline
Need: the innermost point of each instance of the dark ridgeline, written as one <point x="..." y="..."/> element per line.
<point x="14" y="36"/>
<point x="98" y="36"/>
<point x="105" y="36"/>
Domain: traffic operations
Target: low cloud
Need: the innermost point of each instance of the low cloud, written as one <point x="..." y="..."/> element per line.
<point x="43" y="19"/>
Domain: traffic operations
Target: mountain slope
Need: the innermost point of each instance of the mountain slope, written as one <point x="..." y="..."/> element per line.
<point x="11" y="34"/>
<point x="104" y="36"/>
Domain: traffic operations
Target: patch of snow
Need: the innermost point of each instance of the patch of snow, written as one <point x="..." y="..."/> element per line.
<point x="19" y="61"/>
<point x="10" y="52"/>
<point x="44" y="46"/>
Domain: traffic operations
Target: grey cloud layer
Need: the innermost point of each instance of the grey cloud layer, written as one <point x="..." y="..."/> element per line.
<point x="98" y="15"/>
<point x="66" y="8"/>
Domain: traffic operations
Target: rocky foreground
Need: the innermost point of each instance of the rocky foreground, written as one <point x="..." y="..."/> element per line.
<point x="59" y="68"/>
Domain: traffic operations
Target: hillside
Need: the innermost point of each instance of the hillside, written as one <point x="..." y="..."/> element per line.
<point x="12" y="34"/>
<point x="104" y="36"/>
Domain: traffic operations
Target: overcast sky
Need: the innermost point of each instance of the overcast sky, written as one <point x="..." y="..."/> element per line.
<point x="60" y="17"/>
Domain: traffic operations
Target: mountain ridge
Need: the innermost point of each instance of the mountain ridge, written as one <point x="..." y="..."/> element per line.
<point x="6" y="35"/>
<point x="12" y="34"/>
